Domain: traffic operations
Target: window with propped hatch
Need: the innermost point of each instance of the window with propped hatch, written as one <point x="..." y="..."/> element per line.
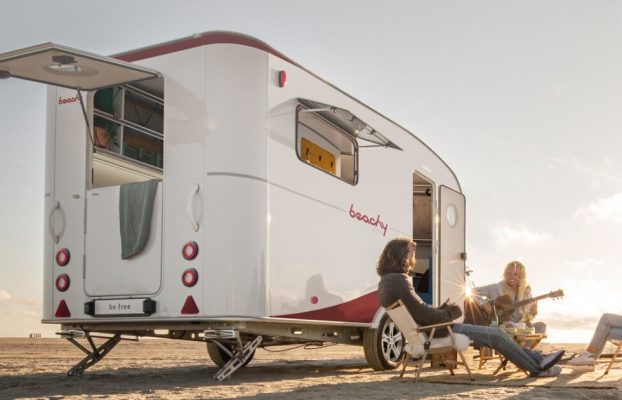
<point x="330" y="138"/>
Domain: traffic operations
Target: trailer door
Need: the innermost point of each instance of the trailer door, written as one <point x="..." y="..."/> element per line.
<point x="106" y="274"/>
<point x="452" y="245"/>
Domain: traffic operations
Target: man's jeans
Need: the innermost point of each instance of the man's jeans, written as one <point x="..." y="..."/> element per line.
<point x="497" y="339"/>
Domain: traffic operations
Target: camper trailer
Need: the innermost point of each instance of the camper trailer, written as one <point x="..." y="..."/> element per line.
<point x="212" y="189"/>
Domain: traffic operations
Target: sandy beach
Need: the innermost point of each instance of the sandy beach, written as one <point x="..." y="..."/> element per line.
<point x="166" y="369"/>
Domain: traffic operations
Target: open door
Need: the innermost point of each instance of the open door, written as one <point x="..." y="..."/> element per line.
<point x="86" y="222"/>
<point x="70" y="68"/>
<point x="452" y="245"/>
<point x="423" y="235"/>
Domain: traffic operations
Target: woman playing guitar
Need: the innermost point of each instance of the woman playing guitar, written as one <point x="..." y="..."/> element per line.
<point x="513" y="288"/>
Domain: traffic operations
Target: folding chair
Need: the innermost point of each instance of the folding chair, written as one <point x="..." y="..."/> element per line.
<point x="420" y="340"/>
<point x="616" y="339"/>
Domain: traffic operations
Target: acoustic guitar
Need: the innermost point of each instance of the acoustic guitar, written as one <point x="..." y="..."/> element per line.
<point x="477" y="314"/>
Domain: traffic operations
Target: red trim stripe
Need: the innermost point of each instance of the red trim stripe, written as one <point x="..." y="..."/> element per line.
<point x="196" y="41"/>
<point x="361" y="309"/>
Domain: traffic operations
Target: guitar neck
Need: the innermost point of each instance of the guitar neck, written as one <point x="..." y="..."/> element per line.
<point x="523" y="302"/>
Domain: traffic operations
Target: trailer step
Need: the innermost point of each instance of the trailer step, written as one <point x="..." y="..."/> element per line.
<point x="238" y="360"/>
<point x="71" y="333"/>
<point x="221" y="334"/>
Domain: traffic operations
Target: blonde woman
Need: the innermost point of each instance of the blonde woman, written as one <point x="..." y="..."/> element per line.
<point x="515" y="286"/>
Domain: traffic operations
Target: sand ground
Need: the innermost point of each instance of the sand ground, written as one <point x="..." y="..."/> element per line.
<point x="166" y="369"/>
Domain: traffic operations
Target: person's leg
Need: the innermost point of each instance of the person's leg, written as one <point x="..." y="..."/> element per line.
<point x="602" y="332"/>
<point x="500" y="341"/>
<point x="536" y="355"/>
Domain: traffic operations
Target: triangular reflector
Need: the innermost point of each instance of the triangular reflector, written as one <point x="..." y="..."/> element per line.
<point x="190" y="307"/>
<point x="62" y="311"/>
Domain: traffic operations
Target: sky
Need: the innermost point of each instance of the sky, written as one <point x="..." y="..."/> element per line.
<point x="520" y="98"/>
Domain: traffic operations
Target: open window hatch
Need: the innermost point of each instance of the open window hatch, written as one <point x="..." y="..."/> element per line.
<point x="329" y="138"/>
<point x="349" y="123"/>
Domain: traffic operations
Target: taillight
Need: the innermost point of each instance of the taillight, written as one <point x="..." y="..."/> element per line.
<point x="190" y="277"/>
<point x="62" y="257"/>
<point x="62" y="282"/>
<point x="190" y="250"/>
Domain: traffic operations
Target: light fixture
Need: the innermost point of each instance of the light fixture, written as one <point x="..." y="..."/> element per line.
<point x="190" y="277"/>
<point x="71" y="69"/>
<point x="64" y="59"/>
<point x="190" y="250"/>
<point x="282" y="78"/>
<point x="62" y="282"/>
<point x="62" y="257"/>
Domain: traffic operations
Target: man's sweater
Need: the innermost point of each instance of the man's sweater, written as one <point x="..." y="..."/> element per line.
<point x="394" y="287"/>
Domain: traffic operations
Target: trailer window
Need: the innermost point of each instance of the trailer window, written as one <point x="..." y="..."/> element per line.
<point x="128" y="129"/>
<point x="325" y="146"/>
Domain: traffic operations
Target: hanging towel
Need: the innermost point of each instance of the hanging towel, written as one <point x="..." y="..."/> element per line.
<point x="135" y="211"/>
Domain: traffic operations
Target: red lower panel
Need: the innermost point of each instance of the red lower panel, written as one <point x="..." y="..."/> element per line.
<point x="361" y="309"/>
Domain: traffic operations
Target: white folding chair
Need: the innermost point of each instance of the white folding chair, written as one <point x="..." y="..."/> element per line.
<point x="420" y="340"/>
<point x="616" y="339"/>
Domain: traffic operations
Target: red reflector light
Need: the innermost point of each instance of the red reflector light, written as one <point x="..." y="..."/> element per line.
<point x="62" y="311"/>
<point x="190" y="277"/>
<point x="190" y="250"/>
<point x="190" y="307"/>
<point x="62" y="257"/>
<point x="62" y="282"/>
<point x="313" y="299"/>
<point x="282" y="78"/>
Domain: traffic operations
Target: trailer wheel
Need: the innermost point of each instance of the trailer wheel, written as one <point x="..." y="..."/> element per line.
<point x="220" y="357"/>
<point x="384" y="347"/>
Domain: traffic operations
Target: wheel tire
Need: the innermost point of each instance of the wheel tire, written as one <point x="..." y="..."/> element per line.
<point x="384" y="347"/>
<point x="220" y="357"/>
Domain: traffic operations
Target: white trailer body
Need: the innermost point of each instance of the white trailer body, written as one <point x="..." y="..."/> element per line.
<point x="277" y="193"/>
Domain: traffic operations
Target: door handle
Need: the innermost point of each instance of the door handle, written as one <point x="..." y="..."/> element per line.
<point x="190" y="210"/>
<point x="51" y="226"/>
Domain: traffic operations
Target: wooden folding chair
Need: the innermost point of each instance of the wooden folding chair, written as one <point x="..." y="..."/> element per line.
<point x="420" y="340"/>
<point x="616" y="339"/>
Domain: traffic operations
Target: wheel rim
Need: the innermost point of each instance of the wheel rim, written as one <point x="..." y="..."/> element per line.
<point x="391" y="342"/>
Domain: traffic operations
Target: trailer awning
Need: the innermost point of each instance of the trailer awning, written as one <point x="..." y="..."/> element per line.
<point x="70" y="68"/>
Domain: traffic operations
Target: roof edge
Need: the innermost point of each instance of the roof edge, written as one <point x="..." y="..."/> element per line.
<point x="196" y="40"/>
